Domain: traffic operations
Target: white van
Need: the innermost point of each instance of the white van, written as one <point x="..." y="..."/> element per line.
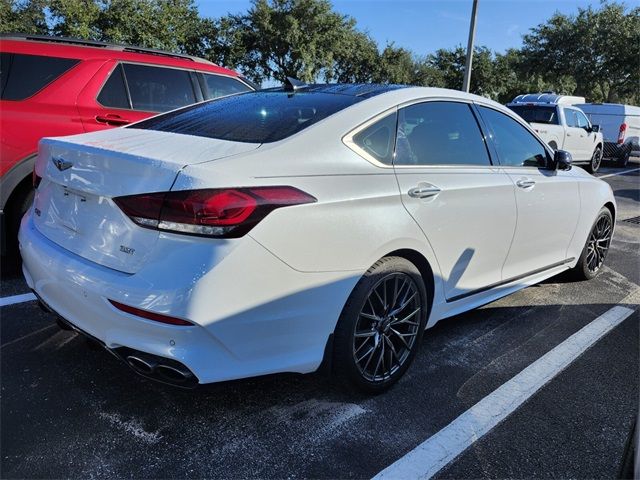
<point x="620" y="126"/>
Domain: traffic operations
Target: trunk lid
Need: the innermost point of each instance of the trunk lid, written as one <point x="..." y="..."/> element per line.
<point x="82" y="174"/>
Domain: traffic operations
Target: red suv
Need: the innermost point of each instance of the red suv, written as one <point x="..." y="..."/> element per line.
<point x="56" y="86"/>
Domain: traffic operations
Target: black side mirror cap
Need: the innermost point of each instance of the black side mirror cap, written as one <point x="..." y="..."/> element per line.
<point x="562" y="160"/>
<point x="595" y="128"/>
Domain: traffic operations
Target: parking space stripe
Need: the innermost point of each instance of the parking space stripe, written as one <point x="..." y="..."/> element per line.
<point x="440" y="449"/>
<point x="25" y="297"/>
<point x="620" y="173"/>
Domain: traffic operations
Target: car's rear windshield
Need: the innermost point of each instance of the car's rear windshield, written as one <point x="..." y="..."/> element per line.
<point x="537" y="114"/>
<point x="255" y="117"/>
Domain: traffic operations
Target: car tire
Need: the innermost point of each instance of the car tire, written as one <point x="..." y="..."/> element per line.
<point x="21" y="201"/>
<point x="380" y="327"/>
<point x="595" y="250"/>
<point x="596" y="160"/>
<point x="623" y="159"/>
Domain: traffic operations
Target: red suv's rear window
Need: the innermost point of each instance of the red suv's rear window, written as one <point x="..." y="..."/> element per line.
<point x="22" y="76"/>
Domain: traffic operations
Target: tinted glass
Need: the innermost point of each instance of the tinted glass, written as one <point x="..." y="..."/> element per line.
<point x="114" y="91"/>
<point x="219" y="86"/>
<point x="537" y="114"/>
<point x="257" y="117"/>
<point x="439" y="133"/>
<point x="582" y="120"/>
<point x="570" y="117"/>
<point x="157" y="89"/>
<point x="378" y="139"/>
<point x="516" y="146"/>
<point x="25" y="75"/>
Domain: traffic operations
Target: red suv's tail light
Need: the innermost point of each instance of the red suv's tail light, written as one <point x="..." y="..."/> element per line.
<point x="623" y="131"/>
<point x="226" y="213"/>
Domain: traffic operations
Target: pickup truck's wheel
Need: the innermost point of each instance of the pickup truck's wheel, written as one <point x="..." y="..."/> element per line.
<point x="596" y="160"/>
<point x="623" y="159"/>
<point x="596" y="248"/>
<point x="381" y="326"/>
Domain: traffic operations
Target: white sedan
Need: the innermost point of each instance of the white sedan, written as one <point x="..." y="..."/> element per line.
<point x="285" y="229"/>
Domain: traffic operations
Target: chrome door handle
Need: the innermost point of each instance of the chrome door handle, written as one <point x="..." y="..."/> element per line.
<point x="424" y="191"/>
<point x="525" y="183"/>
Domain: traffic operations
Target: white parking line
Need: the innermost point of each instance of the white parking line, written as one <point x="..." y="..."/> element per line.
<point x="620" y="173"/>
<point x="25" y="297"/>
<point x="437" y="451"/>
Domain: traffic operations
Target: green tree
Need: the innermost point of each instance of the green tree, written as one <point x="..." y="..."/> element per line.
<point x="296" y="38"/>
<point x="23" y="16"/>
<point x="599" y="49"/>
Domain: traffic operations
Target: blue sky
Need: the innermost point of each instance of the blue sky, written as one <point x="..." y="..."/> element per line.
<point x="423" y="26"/>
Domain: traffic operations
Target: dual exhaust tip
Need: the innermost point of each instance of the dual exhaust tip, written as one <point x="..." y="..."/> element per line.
<point x="158" y="369"/>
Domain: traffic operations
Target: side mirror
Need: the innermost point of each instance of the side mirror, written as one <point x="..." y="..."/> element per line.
<point x="562" y="160"/>
<point x="595" y="128"/>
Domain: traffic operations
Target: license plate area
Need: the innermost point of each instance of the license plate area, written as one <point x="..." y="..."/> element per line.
<point x="72" y="205"/>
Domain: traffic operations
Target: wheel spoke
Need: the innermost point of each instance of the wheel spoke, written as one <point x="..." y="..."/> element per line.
<point x="406" y="319"/>
<point x="375" y="318"/>
<point x="401" y="337"/>
<point x="370" y="333"/>
<point x="392" y="349"/>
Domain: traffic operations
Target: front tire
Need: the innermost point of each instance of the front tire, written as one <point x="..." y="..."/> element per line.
<point x="595" y="251"/>
<point x="381" y="326"/>
<point x="596" y="160"/>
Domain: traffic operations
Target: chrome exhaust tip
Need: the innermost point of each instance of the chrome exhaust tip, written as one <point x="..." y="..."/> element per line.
<point x="146" y="367"/>
<point x="173" y="374"/>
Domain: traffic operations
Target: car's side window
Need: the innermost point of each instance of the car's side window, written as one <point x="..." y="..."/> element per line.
<point x="439" y="133"/>
<point x="158" y="89"/>
<point x="515" y="145"/>
<point x="378" y="139"/>
<point x="571" y="118"/>
<point x="114" y="91"/>
<point x="220" y="85"/>
<point x="582" y="120"/>
<point x="22" y="76"/>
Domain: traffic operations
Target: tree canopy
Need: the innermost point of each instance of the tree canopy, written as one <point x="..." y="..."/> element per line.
<point x="594" y="53"/>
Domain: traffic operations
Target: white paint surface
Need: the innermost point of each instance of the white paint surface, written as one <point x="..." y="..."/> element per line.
<point x="437" y="451"/>
<point x="26" y="297"/>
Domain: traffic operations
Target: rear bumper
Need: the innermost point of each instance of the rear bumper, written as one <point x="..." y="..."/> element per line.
<point x="253" y="314"/>
<point x="615" y="150"/>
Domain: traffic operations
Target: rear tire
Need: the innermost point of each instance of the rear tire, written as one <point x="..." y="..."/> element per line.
<point x="20" y="202"/>
<point x="623" y="159"/>
<point x="596" y="160"/>
<point x="381" y="326"/>
<point x="595" y="250"/>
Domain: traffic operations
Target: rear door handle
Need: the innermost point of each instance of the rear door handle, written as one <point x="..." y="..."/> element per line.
<point x="525" y="183"/>
<point x="424" y="191"/>
<point x="112" y="119"/>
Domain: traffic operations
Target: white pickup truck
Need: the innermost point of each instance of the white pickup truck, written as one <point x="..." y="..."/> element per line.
<point x="562" y="126"/>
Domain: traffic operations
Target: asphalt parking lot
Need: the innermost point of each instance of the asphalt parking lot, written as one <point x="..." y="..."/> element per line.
<point x="71" y="411"/>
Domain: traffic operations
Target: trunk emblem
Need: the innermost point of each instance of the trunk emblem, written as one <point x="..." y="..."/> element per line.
<point x="61" y="164"/>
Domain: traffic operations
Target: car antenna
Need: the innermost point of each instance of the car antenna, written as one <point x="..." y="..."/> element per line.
<point x="292" y="84"/>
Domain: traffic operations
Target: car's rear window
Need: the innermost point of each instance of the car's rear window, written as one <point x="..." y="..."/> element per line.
<point x="255" y="117"/>
<point x="537" y="114"/>
<point x="22" y="76"/>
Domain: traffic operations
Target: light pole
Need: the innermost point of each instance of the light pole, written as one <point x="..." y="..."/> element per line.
<point x="472" y="33"/>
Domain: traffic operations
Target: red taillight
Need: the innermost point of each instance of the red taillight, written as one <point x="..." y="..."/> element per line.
<point x="157" y="317"/>
<point x="623" y="131"/>
<point x="226" y="213"/>
<point x="35" y="178"/>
